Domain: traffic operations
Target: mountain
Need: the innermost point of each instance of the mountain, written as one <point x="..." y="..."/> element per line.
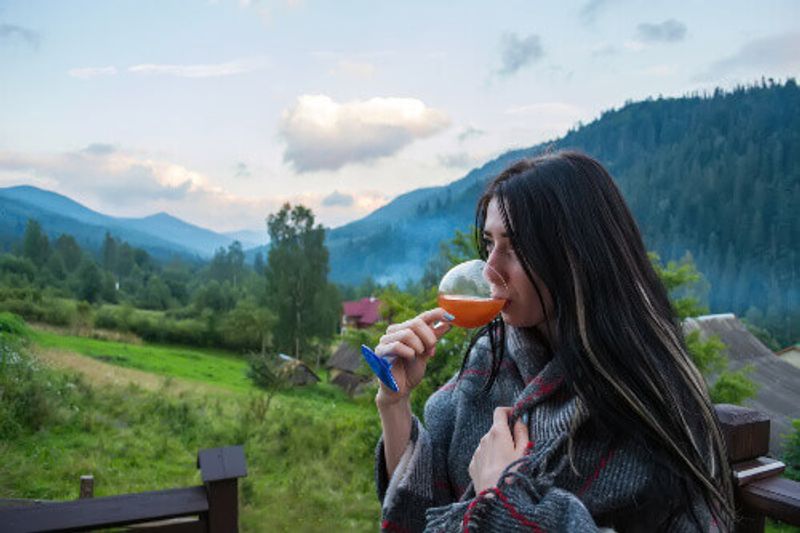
<point x="716" y="176"/>
<point x="162" y="235"/>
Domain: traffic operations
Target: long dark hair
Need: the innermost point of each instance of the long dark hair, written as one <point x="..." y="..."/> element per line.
<point x="612" y="324"/>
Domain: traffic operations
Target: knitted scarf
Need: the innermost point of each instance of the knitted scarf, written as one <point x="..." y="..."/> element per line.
<point x="573" y="477"/>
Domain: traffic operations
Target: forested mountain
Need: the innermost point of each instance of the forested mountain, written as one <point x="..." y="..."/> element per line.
<point x="716" y="176"/>
<point x="162" y="235"/>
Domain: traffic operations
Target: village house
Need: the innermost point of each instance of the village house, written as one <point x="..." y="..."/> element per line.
<point x="361" y="313"/>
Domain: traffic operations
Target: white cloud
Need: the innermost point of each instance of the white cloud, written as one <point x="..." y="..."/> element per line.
<point x="85" y="73"/>
<point x="777" y="55"/>
<point x="322" y="134"/>
<point x="120" y="182"/>
<point x="213" y="70"/>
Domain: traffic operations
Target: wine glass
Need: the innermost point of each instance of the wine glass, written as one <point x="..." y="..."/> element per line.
<point x="465" y="293"/>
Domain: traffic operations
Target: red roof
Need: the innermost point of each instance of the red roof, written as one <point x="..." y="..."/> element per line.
<point x="365" y="311"/>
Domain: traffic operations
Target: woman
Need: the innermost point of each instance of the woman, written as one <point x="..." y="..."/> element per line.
<point x="578" y="408"/>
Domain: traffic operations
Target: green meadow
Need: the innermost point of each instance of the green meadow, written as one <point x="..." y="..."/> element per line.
<point x="309" y="451"/>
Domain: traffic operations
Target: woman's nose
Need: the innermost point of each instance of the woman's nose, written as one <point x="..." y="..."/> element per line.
<point x="492" y="272"/>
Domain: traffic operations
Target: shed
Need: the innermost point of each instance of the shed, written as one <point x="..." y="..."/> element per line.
<point x="778" y="381"/>
<point x="296" y="372"/>
<point x="344" y="366"/>
<point x="790" y="354"/>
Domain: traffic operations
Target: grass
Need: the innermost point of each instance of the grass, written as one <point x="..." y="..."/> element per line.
<point x="217" y="367"/>
<point x="309" y="454"/>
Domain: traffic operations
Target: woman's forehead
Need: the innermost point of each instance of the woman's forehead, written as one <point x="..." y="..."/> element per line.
<point x="494" y="220"/>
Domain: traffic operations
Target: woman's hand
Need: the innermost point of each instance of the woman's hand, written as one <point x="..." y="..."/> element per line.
<point x="497" y="449"/>
<point x="412" y="343"/>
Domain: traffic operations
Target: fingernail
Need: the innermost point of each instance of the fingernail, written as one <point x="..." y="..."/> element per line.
<point x="525" y="418"/>
<point x="449" y="317"/>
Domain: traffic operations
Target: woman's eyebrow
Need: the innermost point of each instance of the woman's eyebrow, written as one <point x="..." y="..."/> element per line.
<point x="486" y="234"/>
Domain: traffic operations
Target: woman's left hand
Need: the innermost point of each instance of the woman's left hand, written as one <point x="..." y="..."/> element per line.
<point x="497" y="449"/>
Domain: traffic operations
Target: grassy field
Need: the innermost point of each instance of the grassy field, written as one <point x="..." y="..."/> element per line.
<point x="135" y="427"/>
<point x="135" y="415"/>
<point x="196" y="364"/>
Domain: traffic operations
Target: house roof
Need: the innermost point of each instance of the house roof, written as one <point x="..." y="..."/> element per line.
<point x="346" y="357"/>
<point x="366" y="311"/>
<point x="778" y="394"/>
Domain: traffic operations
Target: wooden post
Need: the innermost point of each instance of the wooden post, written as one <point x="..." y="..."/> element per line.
<point x="746" y="433"/>
<point x="220" y="469"/>
<point x="87" y="487"/>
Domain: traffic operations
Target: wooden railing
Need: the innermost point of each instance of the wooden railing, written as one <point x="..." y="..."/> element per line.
<point x="210" y="508"/>
<point x="760" y="491"/>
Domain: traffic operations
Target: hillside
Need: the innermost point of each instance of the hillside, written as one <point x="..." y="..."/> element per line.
<point x="162" y="235"/>
<point x="716" y="176"/>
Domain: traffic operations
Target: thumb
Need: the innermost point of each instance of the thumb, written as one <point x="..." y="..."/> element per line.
<point x="520" y="435"/>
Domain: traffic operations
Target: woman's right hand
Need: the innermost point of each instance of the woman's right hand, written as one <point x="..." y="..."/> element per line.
<point x="412" y="343"/>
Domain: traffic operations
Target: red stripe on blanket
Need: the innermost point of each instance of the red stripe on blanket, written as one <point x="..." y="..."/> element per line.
<point x="516" y="514"/>
<point x="470" y="507"/>
<point x="600" y="466"/>
<point x="544" y="389"/>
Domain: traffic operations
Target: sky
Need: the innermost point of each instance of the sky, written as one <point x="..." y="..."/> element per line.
<point x="218" y="112"/>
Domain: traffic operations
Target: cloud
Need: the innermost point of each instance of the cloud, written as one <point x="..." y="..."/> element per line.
<point x="470" y="132"/>
<point x="519" y="52"/>
<point x="592" y="9"/>
<point x="669" y="31"/>
<point x="12" y="32"/>
<point x="114" y="177"/>
<point x="242" y="170"/>
<point x="660" y="71"/>
<point x="121" y="182"/>
<point x="337" y="199"/>
<point x="775" y="55"/>
<point x="546" y="110"/>
<point x="457" y="160"/>
<point x="322" y="134"/>
<point x="99" y="149"/>
<point x="85" y="73"/>
<point x="214" y="70"/>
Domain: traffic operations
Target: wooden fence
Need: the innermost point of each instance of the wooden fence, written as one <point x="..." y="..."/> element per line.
<point x="760" y="491"/>
<point x="210" y="508"/>
<point x="213" y="507"/>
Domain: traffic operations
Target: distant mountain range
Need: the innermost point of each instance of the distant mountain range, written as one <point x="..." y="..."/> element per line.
<point x="717" y="176"/>
<point x="162" y="235"/>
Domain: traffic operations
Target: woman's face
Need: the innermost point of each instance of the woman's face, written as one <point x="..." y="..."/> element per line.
<point x="523" y="307"/>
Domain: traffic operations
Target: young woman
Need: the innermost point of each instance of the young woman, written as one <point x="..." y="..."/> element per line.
<point x="578" y="408"/>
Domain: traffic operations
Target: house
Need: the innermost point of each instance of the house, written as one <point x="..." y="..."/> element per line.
<point x="361" y="313"/>
<point x="791" y="355"/>
<point x="778" y="381"/>
<point x="296" y="372"/>
<point x="344" y="366"/>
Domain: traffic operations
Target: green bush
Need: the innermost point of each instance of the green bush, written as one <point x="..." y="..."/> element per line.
<point x="791" y="454"/>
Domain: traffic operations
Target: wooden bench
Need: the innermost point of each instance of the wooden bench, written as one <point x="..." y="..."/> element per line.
<point x="210" y="508"/>
<point x="760" y="491"/>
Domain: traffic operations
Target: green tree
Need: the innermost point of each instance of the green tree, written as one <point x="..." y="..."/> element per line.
<point x="248" y="327"/>
<point x="71" y="254"/>
<point x="90" y="283"/>
<point x="109" y="253"/>
<point x="35" y="245"/>
<point x="305" y="304"/>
